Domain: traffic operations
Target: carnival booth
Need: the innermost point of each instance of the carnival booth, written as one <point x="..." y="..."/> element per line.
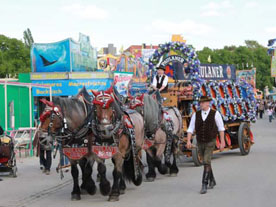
<point x="107" y="62"/>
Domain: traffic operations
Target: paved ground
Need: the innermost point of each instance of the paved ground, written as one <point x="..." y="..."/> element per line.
<point x="248" y="181"/>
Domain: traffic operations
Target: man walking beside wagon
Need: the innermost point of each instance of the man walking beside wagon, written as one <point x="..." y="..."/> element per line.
<point x="206" y="123"/>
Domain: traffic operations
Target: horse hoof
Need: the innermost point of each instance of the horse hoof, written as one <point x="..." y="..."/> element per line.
<point x="83" y="191"/>
<point x="105" y="188"/>
<point x="173" y="175"/>
<point x="75" y="197"/>
<point x="113" y="198"/>
<point x="92" y="191"/>
<point x="122" y="191"/>
<point x="150" y="179"/>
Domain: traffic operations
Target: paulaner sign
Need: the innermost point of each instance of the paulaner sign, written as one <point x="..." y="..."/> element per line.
<point x="177" y="64"/>
<point x="173" y="58"/>
<point x="217" y="72"/>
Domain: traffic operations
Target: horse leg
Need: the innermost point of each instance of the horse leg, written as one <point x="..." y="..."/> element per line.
<point x="162" y="168"/>
<point x="104" y="183"/>
<point x="75" y="194"/>
<point x="117" y="176"/>
<point x="122" y="186"/>
<point x="151" y="167"/>
<point x="87" y="182"/>
<point x="174" y="169"/>
<point x="98" y="175"/>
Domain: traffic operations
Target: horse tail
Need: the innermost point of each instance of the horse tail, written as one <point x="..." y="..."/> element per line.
<point x="129" y="172"/>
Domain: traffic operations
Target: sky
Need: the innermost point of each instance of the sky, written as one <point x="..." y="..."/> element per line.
<point x="202" y="23"/>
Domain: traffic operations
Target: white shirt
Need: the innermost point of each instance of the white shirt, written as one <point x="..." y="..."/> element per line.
<point x="204" y="114"/>
<point x="269" y="112"/>
<point x="165" y="82"/>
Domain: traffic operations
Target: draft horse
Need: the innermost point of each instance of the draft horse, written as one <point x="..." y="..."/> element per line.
<point x="67" y="121"/>
<point x="163" y="126"/>
<point x="123" y="130"/>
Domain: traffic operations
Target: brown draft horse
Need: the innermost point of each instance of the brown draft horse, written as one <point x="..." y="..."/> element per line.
<point x="164" y="137"/>
<point x="65" y="120"/>
<point x="113" y="126"/>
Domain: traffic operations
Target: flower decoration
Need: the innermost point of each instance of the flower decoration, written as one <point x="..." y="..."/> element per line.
<point x="186" y="51"/>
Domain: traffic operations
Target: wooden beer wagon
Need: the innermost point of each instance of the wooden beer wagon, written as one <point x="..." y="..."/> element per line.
<point x="237" y="133"/>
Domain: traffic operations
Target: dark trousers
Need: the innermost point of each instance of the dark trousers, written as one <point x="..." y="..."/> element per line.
<point x="270" y="118"/>
<point x="261" y="114"/>
<point x="46" y="162"/>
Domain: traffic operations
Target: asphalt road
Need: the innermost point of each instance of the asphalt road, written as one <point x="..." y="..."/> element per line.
<point x="242" y="181"/>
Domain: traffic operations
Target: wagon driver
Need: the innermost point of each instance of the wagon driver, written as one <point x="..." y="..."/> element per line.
<point x="160" y="81"/>
<point x="206" y="123"/>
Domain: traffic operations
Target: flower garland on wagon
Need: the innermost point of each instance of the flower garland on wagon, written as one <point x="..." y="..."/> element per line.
<point x="228" y="96"/>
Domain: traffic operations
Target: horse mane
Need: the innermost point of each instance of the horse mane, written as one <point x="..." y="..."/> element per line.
<point x="68" y="105"/>
<point x="118" y="110"/>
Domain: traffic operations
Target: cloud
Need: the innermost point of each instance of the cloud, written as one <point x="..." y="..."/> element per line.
<point x="89" y="12"/>
<point x="271" y="30"/>
<point x="187" y="27"/>
<point x="251" y="4"/>
<point x="213" y="9"/>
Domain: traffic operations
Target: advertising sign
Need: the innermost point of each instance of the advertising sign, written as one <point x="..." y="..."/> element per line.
<point x="206" y="71"/>
<point x="64" y="56"/>
<point x="248" y="75"/>
<point x="52" y="57"/>
<point x="70" y="87"/>
<point x="121" y="81"/>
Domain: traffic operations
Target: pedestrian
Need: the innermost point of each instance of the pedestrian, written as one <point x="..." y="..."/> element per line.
<point x="257" y="109"/>
<point x="64" y="161"/>
<point x="46" y="145"/>
<point x="206" y="123"/>
<point x="261" y="108"/>
<point x="270" y="113"/>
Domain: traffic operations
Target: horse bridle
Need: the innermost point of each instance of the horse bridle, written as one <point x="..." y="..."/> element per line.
<point x="54" y="111"/>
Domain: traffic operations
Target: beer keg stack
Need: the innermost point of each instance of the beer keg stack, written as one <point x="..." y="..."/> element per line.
<point x="234" y="100"/>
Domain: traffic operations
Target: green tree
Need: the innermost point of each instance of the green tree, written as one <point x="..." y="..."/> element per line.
<point x="28" y="38"/>
<point x="14" y="57"/>
<point x="243" y="57"/>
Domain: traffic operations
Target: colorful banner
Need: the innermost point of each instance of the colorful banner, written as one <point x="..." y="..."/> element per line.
<point x="273" y="65"/>
<point x="70" y="87"/>
<point x="84" y="57"/>
<point x="64" y="56"/>
<point x="53" y="57"/>
<point x="121" y="81"/>
<point x="248" y="75"/>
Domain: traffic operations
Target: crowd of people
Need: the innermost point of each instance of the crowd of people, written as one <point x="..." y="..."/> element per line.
<point x="268" y="107"/>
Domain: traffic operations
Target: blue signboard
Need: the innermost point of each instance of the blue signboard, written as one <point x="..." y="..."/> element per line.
<point x="53" y="57"/>
<point x="70" y="87"/>
<point x="206" y="72"/>
<point x="64" y="56"/>
<point x="217" y="72"/>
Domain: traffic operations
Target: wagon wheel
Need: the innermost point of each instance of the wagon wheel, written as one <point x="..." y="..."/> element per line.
<point x="195" y="155"/>
<point x="244" y="138"/>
